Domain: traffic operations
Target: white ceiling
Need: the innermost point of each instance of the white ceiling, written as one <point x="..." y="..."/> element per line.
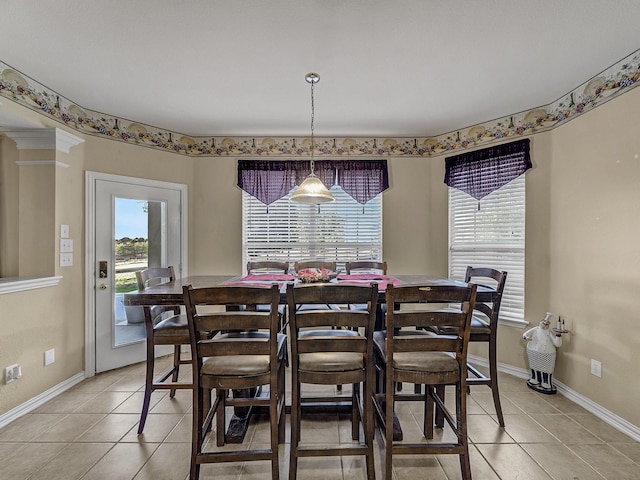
<point x="388" y="68"/>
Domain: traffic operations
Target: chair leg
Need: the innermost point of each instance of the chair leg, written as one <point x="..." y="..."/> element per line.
<point x="439" y="415"/>
<point x="295" y="427"/>
<point x="388" y="432"/>
<point x="493" y="373"/>
<point x="176" y="368"/>
<point x="368" y="426"/>
<point x="463" y="437"/>
<point x="220" y="417"/>
<point x="274" y="428"/>
<point x="148" y="385"/>
<point x="427" y="428"/>
<point x="355" y="412"/>
<point x="196" y="435"/>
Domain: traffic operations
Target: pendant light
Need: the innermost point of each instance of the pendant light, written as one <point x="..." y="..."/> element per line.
<point x="312" y="191"/>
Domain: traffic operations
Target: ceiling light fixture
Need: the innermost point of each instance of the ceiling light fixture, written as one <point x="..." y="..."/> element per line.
<point x="312" y="191"/>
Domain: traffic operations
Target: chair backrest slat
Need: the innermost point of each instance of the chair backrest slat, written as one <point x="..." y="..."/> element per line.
<point x="366" y="266"/>
<point x="479" y="276"/>
<point x="239" y="303"/>
<point x="268" y="266"/>
<point x="327" y="319"/>
<point x="411" y="310"/>
<point x="301" y="265"/>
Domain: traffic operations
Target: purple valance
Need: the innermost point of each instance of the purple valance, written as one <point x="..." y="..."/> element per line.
<point x="484" y="171"/>
<point x="269" y="181"/>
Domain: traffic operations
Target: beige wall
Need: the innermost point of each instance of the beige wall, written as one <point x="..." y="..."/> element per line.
<point x="581" y="247"/>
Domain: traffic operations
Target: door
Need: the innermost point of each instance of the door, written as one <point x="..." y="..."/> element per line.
<point x="137" y="225"/>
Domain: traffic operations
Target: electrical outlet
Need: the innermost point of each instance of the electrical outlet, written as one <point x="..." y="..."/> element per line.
<point x="66" y="245"/>
<point x="66" y="259"/>
<point x="12" y="373"/>
<point x="596" y="368"/>
<point x="49" y="356"/>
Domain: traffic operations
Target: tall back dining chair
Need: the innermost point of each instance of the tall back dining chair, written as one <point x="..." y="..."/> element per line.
<point x="268" y="266"/>
<point x="484" y="328"/>
<point x="164" y="325"/>
<point x="366" y="266"/>
<point x="369" y="266"/>
<point x="322" y="355"/>
<point x="303" y="264"/>
<point x="246" y="352"/>
<point x="406" y="353"/>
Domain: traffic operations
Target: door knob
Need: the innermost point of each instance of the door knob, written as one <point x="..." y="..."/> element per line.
<point x="103" y="286"/>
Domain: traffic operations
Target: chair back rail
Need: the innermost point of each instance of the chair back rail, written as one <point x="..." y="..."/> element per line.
<point x="268" y="266"/>
<point x="303" y="264"/>
<point x="366" y="266"/>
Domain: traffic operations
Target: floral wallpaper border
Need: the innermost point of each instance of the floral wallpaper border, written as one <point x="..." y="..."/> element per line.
<point x="610" y="83"/>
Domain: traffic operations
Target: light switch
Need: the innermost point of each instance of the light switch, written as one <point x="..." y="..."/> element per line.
<point x="64" y="231"/>
<point x="66" y="245"/>
<point x="66" y="259"/>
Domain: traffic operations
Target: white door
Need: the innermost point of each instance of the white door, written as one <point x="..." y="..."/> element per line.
<point x="137" y="225"/>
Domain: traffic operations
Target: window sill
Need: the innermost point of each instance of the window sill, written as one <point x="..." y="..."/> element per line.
<point x="19" y="284"/>
<point x="514" y="323"/>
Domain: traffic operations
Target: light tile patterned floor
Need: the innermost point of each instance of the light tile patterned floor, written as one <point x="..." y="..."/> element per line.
<point x="89" y="432"/>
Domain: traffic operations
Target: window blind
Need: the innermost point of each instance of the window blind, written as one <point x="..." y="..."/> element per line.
<point x="341" y="231"/>
<point x="492" y="236"/>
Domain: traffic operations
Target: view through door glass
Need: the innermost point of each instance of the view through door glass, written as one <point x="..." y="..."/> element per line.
<point x="138" y="243"/>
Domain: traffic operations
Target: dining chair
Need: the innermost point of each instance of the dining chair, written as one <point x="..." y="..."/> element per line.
<point x="406" y="353"/>
<point x="366" y="266"/>
<point x="484" y="328"/>
<point x="303" y="264"/>
<point x="369" y="266"/>
<point x="164" y="325"/>
<point x="321" y="355"/>
<point x="245" y="354"/>
<point x="267" y="266"/>
<point x="271" y="266"/>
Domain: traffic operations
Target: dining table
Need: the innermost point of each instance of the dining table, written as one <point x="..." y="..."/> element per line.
<point x="171" y="293"/>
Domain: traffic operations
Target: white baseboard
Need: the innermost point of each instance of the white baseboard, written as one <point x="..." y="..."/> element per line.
<point x="38" y="400"/>
<point x="602" y="413"/>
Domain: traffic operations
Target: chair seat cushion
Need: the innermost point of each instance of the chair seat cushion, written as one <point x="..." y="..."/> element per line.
<point x="172" y="326"/>
<point x="234" y="365"/>
<point x="331" y="361"/>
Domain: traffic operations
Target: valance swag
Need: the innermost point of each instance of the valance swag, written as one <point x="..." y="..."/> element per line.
<point x="269" y="181"/>
<point x="484" y="171"/>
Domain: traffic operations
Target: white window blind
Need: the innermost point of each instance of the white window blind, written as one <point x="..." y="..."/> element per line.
<point x="491" y="233"/>
<point x="341" y="231"/>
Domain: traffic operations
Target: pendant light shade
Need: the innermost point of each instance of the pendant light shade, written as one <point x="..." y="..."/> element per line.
<point x="312" y="191"/>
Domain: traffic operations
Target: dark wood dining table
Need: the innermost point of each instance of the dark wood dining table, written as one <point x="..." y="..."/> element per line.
<point x="170" y="293"/>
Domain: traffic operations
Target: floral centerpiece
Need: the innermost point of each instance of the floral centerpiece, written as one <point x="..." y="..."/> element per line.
<point x="314" y="275"/>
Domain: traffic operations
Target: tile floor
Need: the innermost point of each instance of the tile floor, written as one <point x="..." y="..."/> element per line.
<point x="89" y="432"/>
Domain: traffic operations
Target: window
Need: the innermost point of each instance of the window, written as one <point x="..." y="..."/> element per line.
<point x="491" y="233"/>
<point x="341" y="231"/>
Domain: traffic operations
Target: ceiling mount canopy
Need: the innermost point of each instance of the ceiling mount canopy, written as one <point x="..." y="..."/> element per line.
<point x="312" y="191"/>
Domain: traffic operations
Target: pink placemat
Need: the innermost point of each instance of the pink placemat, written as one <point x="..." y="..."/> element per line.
<point x="249" y="283"/>
<point x="267" y="277"/>
<point x="367" y="278"/>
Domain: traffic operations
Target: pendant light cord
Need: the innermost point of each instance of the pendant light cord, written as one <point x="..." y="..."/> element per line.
<point x="313" y="114"/>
